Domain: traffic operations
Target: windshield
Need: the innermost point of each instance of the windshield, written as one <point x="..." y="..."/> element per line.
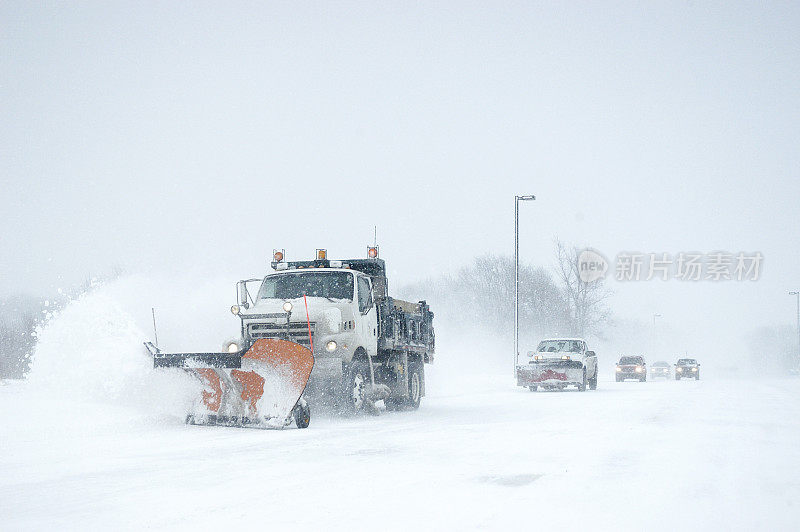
<point x="631" y="360"/>
<point x="560" y="346"/>
<point x="687" y="362"/>
<point x="332" y="285"/>
<point x="661" y="364"/>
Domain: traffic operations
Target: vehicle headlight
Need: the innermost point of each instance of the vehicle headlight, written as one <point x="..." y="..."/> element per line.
<point x="235" y="309"/>
<point x="619" y="368"/>
<point x="233" y="347"/>
<point x="638" y="369"/>
<point x="287" y="306"/>
<point x="679" y="369"/>
<point x="538" y="357"/>
<point x="694" y="369"/>
<point x="331" y="346"/>
<point x="564" y="357"/>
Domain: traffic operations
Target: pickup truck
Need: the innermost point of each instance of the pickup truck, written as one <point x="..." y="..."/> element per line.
<point x="557" y="363"/>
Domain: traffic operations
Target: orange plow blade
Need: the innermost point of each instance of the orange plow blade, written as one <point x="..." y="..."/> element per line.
<point x="261" y="386"/>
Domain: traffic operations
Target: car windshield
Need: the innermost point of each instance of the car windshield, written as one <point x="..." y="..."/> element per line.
<point x="332" y="285"/>
<point x="687" y="362"/>
<point x="560" y="346"/>
<point x="660" y="364"/>
<point x="631" y="360"/>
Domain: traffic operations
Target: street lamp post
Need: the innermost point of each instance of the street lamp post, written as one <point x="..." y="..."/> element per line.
<point x="654" y="333"/>
<point x="796" y="293"/>
<point x="516" y="275"/>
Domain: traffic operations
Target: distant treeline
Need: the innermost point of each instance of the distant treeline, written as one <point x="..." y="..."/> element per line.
<point x="481" y="295"/>
<point x="20" y="315"/>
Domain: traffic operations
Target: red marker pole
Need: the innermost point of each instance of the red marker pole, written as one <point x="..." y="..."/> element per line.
<point x="308" y="320"/>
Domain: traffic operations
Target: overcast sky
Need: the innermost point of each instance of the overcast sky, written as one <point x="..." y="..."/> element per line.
<point x="170" y="137"/>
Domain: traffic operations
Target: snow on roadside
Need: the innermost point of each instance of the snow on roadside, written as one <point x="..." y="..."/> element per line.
<point x="92" y="352"/>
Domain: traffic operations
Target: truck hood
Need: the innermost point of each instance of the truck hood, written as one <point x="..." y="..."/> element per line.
<point x="321" y="311"/>
<point x="549" y="355"/>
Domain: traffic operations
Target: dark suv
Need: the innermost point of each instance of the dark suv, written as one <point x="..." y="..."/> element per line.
<point x="631" y="367"/>
<point x="687" y="367"/>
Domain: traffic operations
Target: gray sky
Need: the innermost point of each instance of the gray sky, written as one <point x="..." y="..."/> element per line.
<point x="175" y="137"/>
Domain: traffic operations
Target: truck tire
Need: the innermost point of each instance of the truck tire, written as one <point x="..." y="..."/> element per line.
<point x="593" y="381"/>
<point x="355" y="385"/>
<point x="582" y="386"/>
<point x="416" y="378"/>
<point x="677" y="377"/>
<point x="302" y="414"/>
<point x="393" y="404"/>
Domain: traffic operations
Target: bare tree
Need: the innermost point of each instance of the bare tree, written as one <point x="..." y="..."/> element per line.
<point x="481" y="295"/>
<point x="585" y="301"/>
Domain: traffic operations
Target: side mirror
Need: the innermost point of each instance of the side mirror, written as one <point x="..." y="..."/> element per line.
<point x="241" y="292"/>
<point x="590" y="354"/>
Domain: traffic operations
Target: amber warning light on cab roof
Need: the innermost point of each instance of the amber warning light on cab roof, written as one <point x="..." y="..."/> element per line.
<point x="372" y="252"/>
<point x="277" y="255"/>
<point x="322" y="254"/>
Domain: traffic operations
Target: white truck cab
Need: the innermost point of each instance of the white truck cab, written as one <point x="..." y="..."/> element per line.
<point x="331" y="307"/>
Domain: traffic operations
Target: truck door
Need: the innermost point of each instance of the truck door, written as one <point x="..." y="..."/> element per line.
<point x="368" y="320"/>
<point x="589" y="362"/>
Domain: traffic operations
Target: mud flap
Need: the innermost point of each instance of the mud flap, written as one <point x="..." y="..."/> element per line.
<point x="257" y="387"/>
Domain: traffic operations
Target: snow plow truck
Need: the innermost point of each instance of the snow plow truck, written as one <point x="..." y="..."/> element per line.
<point x="325" y="329"/>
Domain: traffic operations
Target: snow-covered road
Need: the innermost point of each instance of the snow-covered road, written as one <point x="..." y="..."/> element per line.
<point x="480" y="453"/>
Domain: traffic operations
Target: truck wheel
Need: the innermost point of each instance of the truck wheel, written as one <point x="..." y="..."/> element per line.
<point x="533" y="388"/>
<point x="593" y="382"/>
<point x="582" y="386"/>
<point x="302" y="414"/>
<point x="415" y="382"/>
<point x="393" y="404"/>
<point x="677" y="377"/>
<point x="355" y="386"/>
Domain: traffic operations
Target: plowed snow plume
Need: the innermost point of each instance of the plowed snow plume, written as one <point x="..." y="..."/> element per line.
<point x="91" y="352"/>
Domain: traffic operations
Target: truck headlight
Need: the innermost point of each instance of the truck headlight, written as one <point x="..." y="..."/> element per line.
<point x="694" y="369"/>
<point x="287" y="307"/>
<point x="233" y="347"/>
<point x="638" y="369"/>
<point x="619" y="368"/>
<point x="331" y="346"/>
<point x="235" y="309"/>
<point x="679" y="370"/>
<point x="564" y="357"/>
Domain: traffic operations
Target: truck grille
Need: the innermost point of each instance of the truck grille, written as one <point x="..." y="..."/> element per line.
<point x="298" y="331"/>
